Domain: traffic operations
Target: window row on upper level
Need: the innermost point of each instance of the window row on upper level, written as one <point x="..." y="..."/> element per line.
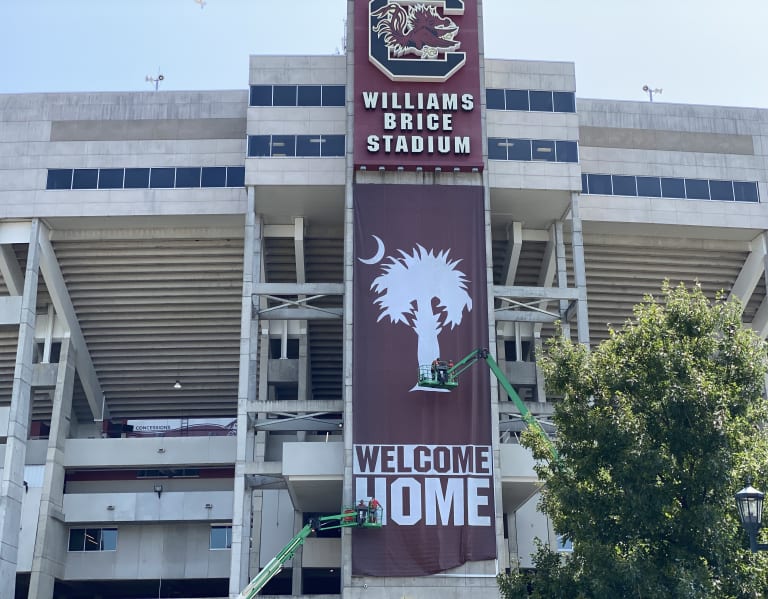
<point x="300" y="146"/>
<point x="670" y="187"/>
<point x="146" y="178"/>
<point x="548" y="150"/>
<point x="297" y="95"/>
<point x="530" y="100"/>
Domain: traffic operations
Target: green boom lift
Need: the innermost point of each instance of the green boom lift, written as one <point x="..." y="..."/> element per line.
<point x="442" y="374"/>
<point x="362" y="515"/>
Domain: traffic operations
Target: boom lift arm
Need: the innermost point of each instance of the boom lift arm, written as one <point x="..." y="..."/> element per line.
<point x="444" y="375"/>
<point x="364" y="515"/>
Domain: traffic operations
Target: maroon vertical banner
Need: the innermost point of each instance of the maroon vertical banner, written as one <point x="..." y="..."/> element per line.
<point x="417" y="84"/>
<point x="423" y="452"/>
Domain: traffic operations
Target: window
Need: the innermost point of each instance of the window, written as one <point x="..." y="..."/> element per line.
<point x="85" y="178"/>
<point x="649" y="186"/>
<point x="624" y="186"/>
<point x="214" y="176"/>
<point x="541" y="101"/>
<point x="333" y="145"/>
<point x="745" y="191"/>
<point x="532" y="149"/>
<point x="92" y="539"/>
<point x="543" y="150"/>
<point x="517" y="99"/>
<point x="494" y="99"/>
<point x="672" y="188"/>
<point x="567" y="151"/>
<point x="600" y="184"/>
<point x="111" y="178"/>
<point x="59" y="178"/>
<point x="497" y="148"/>
<point x="519" y="149"/>
<point x="188" y="177"/>
<point x="564" y="101"/>
<point x="235" y="176"/>
<point x="308" y="145"/>
<point x="136" y="178"/>
<point x="283" y="145"/>
<point x="284" y="95"/>
<point x="161" y="177"/>
<point x="221" y="537"/>
<point x="309" y="95"/>
<point x="334" y="95"/>
<point x="264" y="146"/>
<point x="261" y="95"/>
<point x="697" y="189"/>
<point x="721" y="190"/>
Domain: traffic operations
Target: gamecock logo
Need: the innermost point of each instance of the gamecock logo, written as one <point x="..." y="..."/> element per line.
<point x="412" y="41"/>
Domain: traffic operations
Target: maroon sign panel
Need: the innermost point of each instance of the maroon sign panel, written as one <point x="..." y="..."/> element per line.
<point x="424" y="453"/>
<point x="417" y="84"/>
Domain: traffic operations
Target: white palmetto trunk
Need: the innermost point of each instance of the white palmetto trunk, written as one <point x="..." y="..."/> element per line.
<point x="426" y="327"/>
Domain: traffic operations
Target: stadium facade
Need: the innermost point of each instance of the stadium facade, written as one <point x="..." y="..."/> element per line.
<point x="215" y="305"/>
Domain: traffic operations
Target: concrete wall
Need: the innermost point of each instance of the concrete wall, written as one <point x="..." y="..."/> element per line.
<point x="177" y="550"/>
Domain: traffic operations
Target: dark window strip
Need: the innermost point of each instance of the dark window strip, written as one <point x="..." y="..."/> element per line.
<point x="296" y="146"/>
<point x="500" y="148"/>
<point x="145" y="178"/>
<point x="297" y="95"/>
<point x="530" y="100"/>
<point x="670" y="187"/>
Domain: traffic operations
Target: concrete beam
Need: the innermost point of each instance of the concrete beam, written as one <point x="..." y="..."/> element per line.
<point x="760" y="321"/>
<point x="308" y="313"/>
<point x="298" y="289"/>
<point x="750" y="273"/>
<point x="568" y="293"/>
<point x="9" y="267"/>
<point x="524" y="316"/>
<point x="512" y="259"/>
<point x="57" y="289"/>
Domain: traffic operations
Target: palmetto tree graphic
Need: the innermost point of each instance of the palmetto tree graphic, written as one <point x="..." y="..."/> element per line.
<point x="425" y="291"/>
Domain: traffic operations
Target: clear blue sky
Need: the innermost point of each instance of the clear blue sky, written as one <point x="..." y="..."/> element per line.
<point x="697" y="51"/>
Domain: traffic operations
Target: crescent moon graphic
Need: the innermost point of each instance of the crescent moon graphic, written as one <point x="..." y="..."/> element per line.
<point x="378" y="255"/>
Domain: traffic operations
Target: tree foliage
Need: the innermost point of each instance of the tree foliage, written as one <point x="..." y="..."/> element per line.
<point x="657" y="428"/>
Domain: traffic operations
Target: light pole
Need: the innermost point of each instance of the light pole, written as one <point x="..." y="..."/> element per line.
<point x="749" y="501"/>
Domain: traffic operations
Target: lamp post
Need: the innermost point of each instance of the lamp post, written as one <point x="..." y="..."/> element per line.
<point x="749" y="501"/>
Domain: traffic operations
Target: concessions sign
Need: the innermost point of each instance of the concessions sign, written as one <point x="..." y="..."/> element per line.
<point x="424" y="453"/>
<point x="417" y="84"/>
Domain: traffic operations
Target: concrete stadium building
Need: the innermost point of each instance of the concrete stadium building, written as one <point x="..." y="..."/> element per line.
<point x="182" y="373"/>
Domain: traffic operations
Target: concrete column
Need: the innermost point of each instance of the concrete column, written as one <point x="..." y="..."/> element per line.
<point x="579" y="271"/>
<point x="562" y="276"/>
<point x="296" y="587"/>
<point x="246" y="391"/>
<point x="11" y="485"/>
<point x="49" y="553"/>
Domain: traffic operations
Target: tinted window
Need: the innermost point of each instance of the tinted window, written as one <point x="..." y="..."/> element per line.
<point x="333" y="95"/>
<point x="308" y="145"/>
<point x="136" y="178"/>
<point x="235" y="176"/>
<point x="543" y="150"/>
<point x="624" y="186"/>
<point x="187" y="177"/>
<point x="584" y="188"/>
<point x="93" y="539"/>
<point x="600" y="184"/>
<point x="258" y="145"/>
<point x="519" y="149"/>
<point x="564" y="101"/>
<point x="517" y="99"/>
<point x="541" y="101"/>
<point x="333" y="145"/>
<point x="161" y="177"/>
<point x="85" y="178"/>
<point x="284" y="95"/>
<point x="111" y="178"/>
<point x="76" y="539"/>
<point x="497" y="148"/>
<point x="214" y="176"/>
<point x="59" y="178"/>
<point x="261" y="95"/>
<point x="697" y="189"/>
<point x="745" y="191"/>
<point x="672" y="188"/>
<point x="309" y="95"/>
<point x="649" y="186"/>
<point x="494" y="99"/>
<point x="567" y="151"/>
<point x="721" y="190"/>
<point x="283" y="145"/>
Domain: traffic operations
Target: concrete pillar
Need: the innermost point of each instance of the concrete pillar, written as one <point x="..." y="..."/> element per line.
<point x="11" y="485"/>
<point x="579" y="271"/>
<point x="49" y="553"/>
<point x="562" y="276"/>
<point x="296" y="587"/>
<point x="246" y="392"/>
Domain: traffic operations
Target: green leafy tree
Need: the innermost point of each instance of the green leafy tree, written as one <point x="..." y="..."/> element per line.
<point x="657" y="428"/>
